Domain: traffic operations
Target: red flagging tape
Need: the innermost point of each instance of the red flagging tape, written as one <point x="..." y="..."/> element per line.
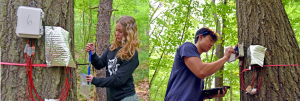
<point x="243" y="86"/>
<point x="22" y="64"/>
<point x="280" y="65"/>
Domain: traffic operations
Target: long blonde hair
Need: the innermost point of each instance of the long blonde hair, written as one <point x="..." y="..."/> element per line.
<point x="130" y="36"/>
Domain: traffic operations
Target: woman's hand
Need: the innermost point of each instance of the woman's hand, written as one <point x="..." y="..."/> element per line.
<point x="90" y="46"/>
<point x="89" y="78"/>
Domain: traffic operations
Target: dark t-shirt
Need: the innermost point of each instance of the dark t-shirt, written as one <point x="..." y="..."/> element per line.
<point x="119" y="79"/>
<point x="183" y="85"/>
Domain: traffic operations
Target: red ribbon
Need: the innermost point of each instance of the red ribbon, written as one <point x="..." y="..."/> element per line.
<point x="280" y="65"/>
<point x="22" y="64"/>
<point x="258" y="85"/>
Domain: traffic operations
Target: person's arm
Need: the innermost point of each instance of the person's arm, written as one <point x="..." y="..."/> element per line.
<point x="202" y="70"/>
<point x="122" y="75"/>
<point x="101" y="62"/>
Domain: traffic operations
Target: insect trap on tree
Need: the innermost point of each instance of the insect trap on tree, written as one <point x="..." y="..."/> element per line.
<point x="255" y="56"/>
<point x="57" y="46"/>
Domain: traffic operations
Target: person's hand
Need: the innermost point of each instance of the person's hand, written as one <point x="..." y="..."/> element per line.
<point x="228" y="52"/>
<point x="89" y="78"/>
<point x="223" y="94"/>
<point x="90" y="46"/>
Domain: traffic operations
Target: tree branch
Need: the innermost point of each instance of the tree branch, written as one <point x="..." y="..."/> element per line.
<point x="94" y="7"/>
<point x="187" y="17"/>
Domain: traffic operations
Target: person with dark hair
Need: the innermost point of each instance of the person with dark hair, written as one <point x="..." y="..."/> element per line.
<point x="186" y="79"/>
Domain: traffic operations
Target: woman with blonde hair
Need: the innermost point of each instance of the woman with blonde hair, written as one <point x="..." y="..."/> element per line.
<point x="120" y="59"/>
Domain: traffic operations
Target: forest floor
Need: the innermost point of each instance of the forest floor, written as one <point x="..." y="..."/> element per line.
<point x="143" y="90"/>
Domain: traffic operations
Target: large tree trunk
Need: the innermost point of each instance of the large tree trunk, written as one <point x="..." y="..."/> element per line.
<point x="265" y="22"/>
<point x="47" y="81"/>
<point x="102" y="39"/>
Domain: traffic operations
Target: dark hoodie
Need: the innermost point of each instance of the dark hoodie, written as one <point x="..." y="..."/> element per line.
<point x="119" y="80"/>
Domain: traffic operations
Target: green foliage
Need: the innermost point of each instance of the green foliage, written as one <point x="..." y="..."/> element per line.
<point x="173" y="27"/>
<point x="142" y="72"/>
<point x="166" y="33"/>
<point x="292" y="9"/>
<point x="231" y="78"/>
<point x="82" y="35"/>
<point x="139" y="9"/>
<point x="85" y="21"/>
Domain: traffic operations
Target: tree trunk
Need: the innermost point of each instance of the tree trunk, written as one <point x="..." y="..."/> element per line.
<point x="47" y="81"/>
<point x="83" y="30"/>
<point x="230" y="91"/>
<point x="265" y="22"/>
<point x="102" y="39"/>
<point x="219" y="54"/>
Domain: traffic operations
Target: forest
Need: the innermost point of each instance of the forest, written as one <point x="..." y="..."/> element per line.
<point x="163" y="26"/>
<point x="174" y="22"/>
<point x="85" y="19"/>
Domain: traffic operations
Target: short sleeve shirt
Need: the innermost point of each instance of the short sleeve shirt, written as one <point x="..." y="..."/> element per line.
<point x="183" y="85"/>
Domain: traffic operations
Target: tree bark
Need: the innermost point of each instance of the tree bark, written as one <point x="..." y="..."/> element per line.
<point x="47" y="81"/>
<point x="102" y="39"/>
<point x="265" y="22"/>
<point x="219" y="54"/>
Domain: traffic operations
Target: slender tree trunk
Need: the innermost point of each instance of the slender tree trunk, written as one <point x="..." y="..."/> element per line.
<point x="83" y="30"/>
<point x="209" y="80"/>
<point x="219" y="54"/>
<point x="47" y="81"/>
<point x="230" y="82"/>
<point x="265" y="22"/>
<point x="102" y="39"/>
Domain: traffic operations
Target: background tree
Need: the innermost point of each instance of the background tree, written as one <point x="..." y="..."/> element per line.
<point x="219" y="48"/>
<point x="102" y="39"/>
<point x="266" y="23"/>
<point x="47" y="81"/>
